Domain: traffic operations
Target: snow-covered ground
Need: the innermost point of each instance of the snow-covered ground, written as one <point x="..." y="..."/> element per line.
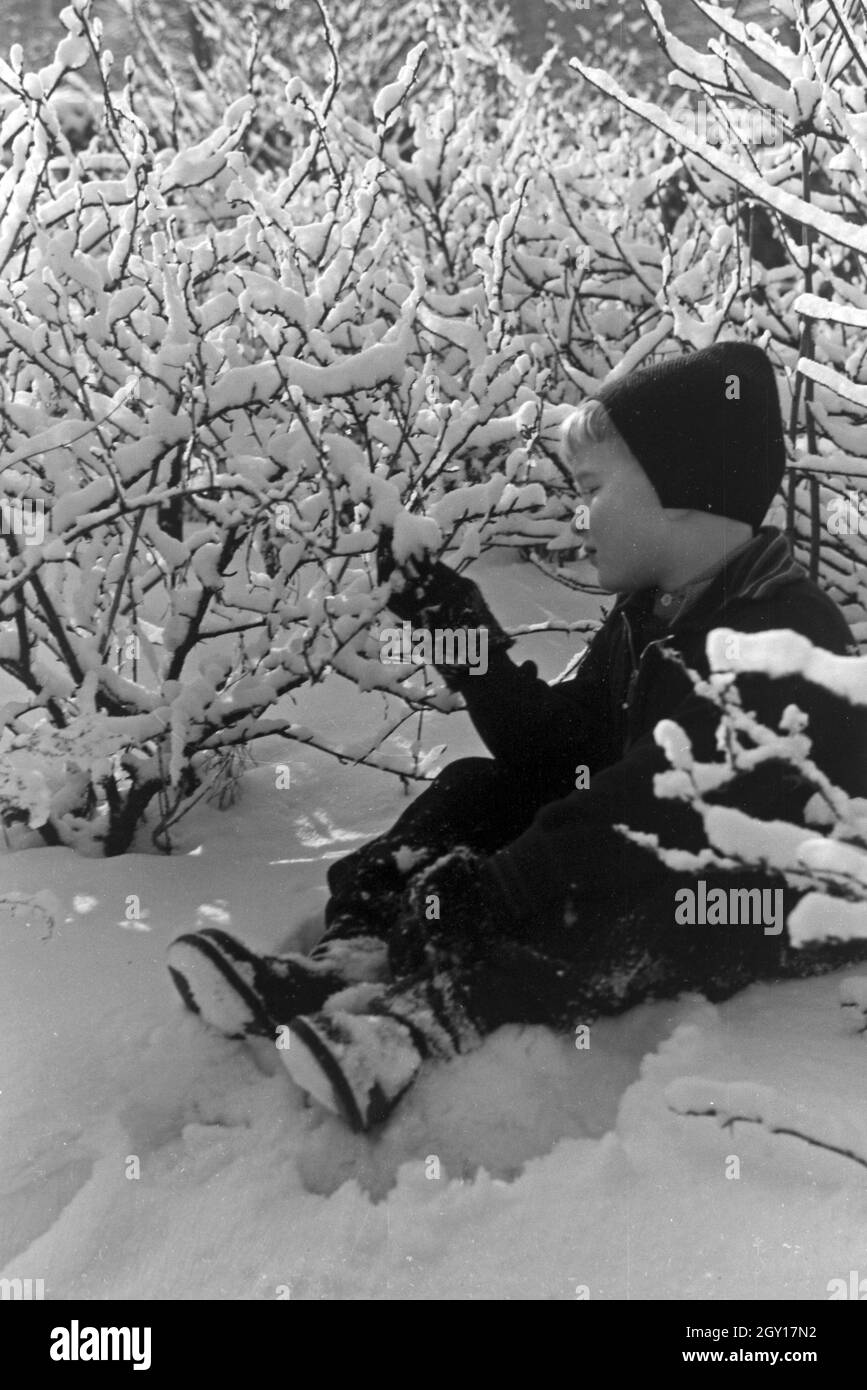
<point x="560" y="1171"/>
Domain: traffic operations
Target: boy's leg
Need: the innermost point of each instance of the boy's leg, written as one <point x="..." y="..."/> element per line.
<point x="598" y="957"/>
<point x="594" y="959"/>
<point x="559" y="979"/>
<point x="473" y="802"/>
<point x="360" y="1055"/>
<point x="362" y="1052"/>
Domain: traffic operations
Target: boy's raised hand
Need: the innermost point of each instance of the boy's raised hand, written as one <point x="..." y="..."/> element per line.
<point x="409" y="581"/>
<point x="431" y="595"/>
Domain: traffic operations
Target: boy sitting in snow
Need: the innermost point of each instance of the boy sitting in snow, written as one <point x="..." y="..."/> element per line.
<point x="505" y="893"/>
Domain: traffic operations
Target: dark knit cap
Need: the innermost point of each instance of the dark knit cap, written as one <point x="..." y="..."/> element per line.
<point x="705" y="441"/>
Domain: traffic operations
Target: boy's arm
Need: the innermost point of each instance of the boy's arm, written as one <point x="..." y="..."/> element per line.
<point x="539" y="729"/>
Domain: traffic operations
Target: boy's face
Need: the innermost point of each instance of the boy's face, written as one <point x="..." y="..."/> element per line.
<point x="628" y="534"/>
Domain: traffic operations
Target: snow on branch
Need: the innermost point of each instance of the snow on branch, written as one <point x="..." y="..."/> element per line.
<point x="824" y="857"/>
<point x="786" y="653"/>
<point x="829" y="224"/>
<point x="849" y="390"/>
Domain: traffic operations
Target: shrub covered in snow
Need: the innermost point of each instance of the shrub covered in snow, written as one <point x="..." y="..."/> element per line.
<point x="248" y="319"/>
<point x="222" y="378"/>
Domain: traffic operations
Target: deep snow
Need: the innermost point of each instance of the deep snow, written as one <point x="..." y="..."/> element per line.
<point x="559" y="1168"/>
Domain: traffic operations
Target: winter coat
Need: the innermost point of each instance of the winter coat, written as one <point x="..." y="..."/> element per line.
<point x="604" y="717"/>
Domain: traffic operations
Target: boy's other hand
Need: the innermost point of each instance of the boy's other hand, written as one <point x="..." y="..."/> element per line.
<point x="454" y="903"/>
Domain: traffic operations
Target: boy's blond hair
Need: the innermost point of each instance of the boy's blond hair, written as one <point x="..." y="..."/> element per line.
<point x="589" y="424"/>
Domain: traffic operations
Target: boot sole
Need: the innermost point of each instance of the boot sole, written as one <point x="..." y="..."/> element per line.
<point x="315" y="1070"/>
<point x="215" y="973"/>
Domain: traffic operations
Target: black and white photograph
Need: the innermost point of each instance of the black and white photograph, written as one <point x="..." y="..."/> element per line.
<point x="433" y="665"/>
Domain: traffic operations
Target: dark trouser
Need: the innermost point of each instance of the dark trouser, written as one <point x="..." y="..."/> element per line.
<point x="599" y="956"/>
<point x="473" y="802"/>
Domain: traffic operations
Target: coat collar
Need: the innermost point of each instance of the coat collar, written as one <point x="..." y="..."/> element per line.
<point x="753" y="571"/>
